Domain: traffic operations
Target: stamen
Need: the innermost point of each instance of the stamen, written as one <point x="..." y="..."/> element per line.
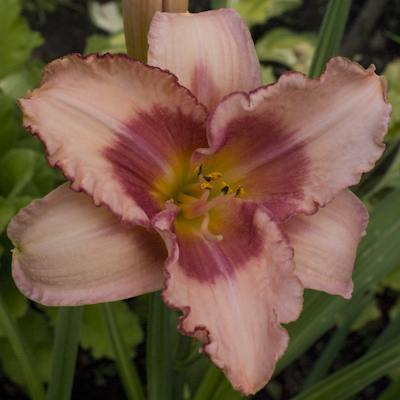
<point x="239" y="192"/>
<point x="206" y="233"/>
<point x="207" y="185"/>
<point x="193" y="207"/>
<point x="213" y="176"/>
<point x="225" y="189"/>
<point x="198" y="169"/>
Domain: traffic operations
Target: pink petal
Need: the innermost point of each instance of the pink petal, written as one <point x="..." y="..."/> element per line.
<point x="235" y="293"/>
<point x="121" y="131"/>
<point x="325" y="244"/>
<point x="69" y="252"/>
<point x="296" y="144"/>
<point x="211" y="53"/>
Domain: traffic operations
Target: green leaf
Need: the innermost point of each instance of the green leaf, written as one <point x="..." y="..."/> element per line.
<point x="370" y="313"/>
<point x="17" y="40"/>
<point x="7" y="211"/>
<point x="268" y="75"/>
<point x="16" y="84"/>
<point x="16" y="355"/>
<point x="38" y="336"/>
<point x="25" y="171"/>
<point x="66" y="344"/>
<point x="378" y="254"/>
<point x="258" y="11"/>
<point x="128" y="373"/>
<point x="392" y="74"/>
<point x="94" y="334"/>
<point x="159" y="355"/>
<point x="350" y="380"/>
<point x="392" y="392"/>
<point x="8" y="127"/>
<point x="330" y="35"/>
<point x="102" y="44"/>
<point x="391" y="179"/>
<point x="324" y="362"/>
<point x="16" y="170"/>
<point x="15" y="302"/>
<point x="287" y="47"/>
<point x="392" y="280"/>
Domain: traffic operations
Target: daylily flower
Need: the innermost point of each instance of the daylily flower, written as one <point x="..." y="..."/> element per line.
<point x="205" y="184"/>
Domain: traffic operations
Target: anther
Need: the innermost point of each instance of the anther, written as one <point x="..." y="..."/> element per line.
<point x="207" y="186"/>
<point x="225" y="189"/>
<point x="239" y="192"/>
<point x="214" y="175"/>
<point x="198" y="169"/>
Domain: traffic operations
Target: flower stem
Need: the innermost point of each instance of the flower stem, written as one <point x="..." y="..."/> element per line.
<point x="128" y="373"/>
<point x="22" y="353"/>
<point x="65" y="351"/>
<point x="159" y="357"/>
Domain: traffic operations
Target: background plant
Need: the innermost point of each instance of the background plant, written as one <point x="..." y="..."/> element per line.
<point x="339" y="349"/>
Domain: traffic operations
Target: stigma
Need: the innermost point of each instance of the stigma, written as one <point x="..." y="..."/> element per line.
<point x="197" y="199"/>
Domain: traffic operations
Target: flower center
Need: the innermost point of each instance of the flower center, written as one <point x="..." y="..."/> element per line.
<point x="197" y="199"/>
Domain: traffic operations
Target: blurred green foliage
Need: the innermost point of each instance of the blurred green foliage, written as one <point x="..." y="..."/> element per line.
<point x="292" y="49"/>
<point x="258" y="12"/>
<point x="107" y="17"/>
<point x="17" y="40"/>
<point x="24" y="176"/>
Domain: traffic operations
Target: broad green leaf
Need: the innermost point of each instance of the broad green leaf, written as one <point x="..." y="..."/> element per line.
<point x="7" y="211"/>
<point x="15" y="302"/>
<point x="15" y="353"/>
<point x="7" y="124"/>
<point x="392" y="280"/>
<point x="216" y="4"/>
<point x="287" y="47"/>
<point x="224" y="391"/>
<point x="16" y="170"/>
<point x="25" y="171"/>
<point x="378" y="254"/>
<point x="38" y="337"/>
<point x="392" y="74"/>
<point x="268" y="75"/>
<point x="392" y="392"/>
<point x="16" y="84"/>
<point x="370" y="313"/>
<point x="102" y="44"/>
<point x="258" y="11"/>
<point x="391" y="179"/>
<point x="17" y="40"/>
<point x="94" y="334"/>
<point x="394" y="311"/>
